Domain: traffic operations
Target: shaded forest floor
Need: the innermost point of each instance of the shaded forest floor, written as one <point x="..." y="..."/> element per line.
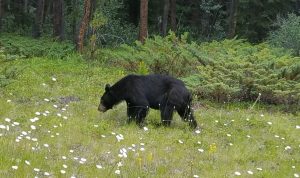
<point x="50" y="126"/>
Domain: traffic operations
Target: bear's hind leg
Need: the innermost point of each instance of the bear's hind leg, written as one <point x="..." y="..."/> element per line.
<point x="166" y="113"/>
<point x="187" y="115"/>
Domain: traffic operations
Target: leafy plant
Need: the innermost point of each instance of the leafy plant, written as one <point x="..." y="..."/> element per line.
<point x="229" y="70"/>
<point x="287" y="34"/>
<point x="28" y="47"/>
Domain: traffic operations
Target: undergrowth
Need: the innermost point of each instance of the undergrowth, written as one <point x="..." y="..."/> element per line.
<point x="229" y="70"/>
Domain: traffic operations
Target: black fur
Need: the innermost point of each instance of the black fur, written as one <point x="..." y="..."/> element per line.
<point x="161" y="92"/>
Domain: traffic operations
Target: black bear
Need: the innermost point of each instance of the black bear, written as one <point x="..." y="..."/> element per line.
<point x="142" y="92"/>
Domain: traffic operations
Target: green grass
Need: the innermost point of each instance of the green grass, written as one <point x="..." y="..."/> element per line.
<point x="251" y="144"/>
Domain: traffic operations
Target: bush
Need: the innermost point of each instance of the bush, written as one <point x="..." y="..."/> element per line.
<point x="170" y="55"/>
<point x="115" y="32"/>
<point x="230" y="70"/>
<point x="240" y="72"/>
<point x="288" y="33"/>
<point x="26" y="47"/>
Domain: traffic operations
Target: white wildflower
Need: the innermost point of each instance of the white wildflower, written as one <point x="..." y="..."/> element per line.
<point x="2" y="127"/>
<point x="98" y="166"/>
<point x="237" y="173"/>
<point x="117" y="171"/>
<point x="7" y="119"/>
<point x="27" y="162"/>
<point x="200" y="150"/>
<point x="288" y="148"/>
<point x="14" y="167"/>
<point x="16" y="123"/>
<point x="119" y="164"/>
<point x="250" y="172"/>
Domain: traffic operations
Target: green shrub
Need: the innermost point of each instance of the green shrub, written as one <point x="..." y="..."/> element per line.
<point x="240" y="71"/>
<point x="170" y="55"/>
<point x="288" y="33"/>
<point x="230" y="70"/>
<point x="28" y="47"/>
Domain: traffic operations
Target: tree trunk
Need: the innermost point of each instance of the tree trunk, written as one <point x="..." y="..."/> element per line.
<point x="25" y="6"/>
<point x="173" y="15"/>
<point x="18" y="11"/>
<point x="233" y="12"/>
<point x="84" y="24"/>
<point x="165" y="17"/>
<point x="143" y="20"/>
<point x="37" y="27"/>
<point x="1" y="13"/>
<point x="74" y="5"/>
<point x="58" y="30"/>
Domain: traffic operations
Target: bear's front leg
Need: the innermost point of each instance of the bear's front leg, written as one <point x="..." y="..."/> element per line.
<point x="131" y="113"/>
<point x="141" y="115"/>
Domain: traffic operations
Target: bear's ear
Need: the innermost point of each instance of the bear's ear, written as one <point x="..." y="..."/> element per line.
<point x="107" y="87"/>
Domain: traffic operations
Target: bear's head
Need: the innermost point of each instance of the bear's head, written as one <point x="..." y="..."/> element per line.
<point x="108" y="100"/>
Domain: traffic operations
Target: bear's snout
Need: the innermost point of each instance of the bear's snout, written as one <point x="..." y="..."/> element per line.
<point x="102" y="108"/>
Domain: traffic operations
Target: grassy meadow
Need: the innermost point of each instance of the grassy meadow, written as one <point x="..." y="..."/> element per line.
<point x="50" y="127"/>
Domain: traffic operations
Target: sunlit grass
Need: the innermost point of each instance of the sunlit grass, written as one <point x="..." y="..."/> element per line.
<point x="51" y="109"/>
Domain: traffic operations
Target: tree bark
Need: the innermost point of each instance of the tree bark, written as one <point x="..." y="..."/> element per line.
<point x="84" y="24"/>
<point x="233" y="13"/>
<point x="58" y="30"/>
<point x="173" y="15"/>
<point x="18" y="11"/>
<point x="1" y="13"/>
<point x="25" y="6"/>
<point x="143" y="20"/>
<point x="165" y="17"/>
<point x="74" y="5"/>
<point x="37" y="27"/>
